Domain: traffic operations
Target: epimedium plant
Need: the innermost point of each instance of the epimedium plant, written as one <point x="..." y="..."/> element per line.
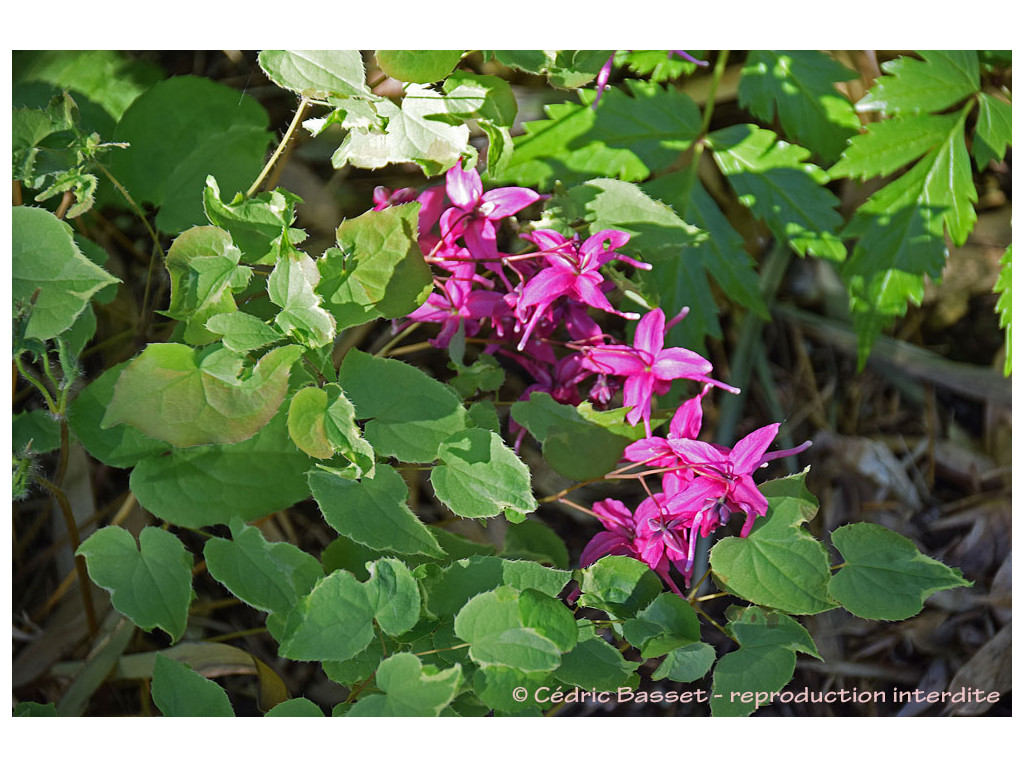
<point x="254" y="403"/>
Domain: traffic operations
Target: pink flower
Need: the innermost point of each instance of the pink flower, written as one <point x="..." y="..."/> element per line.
<point x="476" y="211"/>
<point x="648" y="367"/>
<point x="573" y="271"/>
<point x="458" y="302"/>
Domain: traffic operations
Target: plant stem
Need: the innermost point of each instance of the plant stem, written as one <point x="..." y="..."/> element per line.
<point x="133" y="205"/>
<point x="296" y="120"/>
<point x="50" y="403"/>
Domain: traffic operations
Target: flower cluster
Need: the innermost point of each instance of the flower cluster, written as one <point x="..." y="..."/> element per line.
<point x="534" y="309"/>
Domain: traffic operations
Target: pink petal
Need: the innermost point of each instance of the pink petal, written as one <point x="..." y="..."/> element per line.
<point x="482" y="239"/>
<point x="615" y="359"/>
<point x="748" y="454"/>
<point x="546" y="239"/>
<point x="699" y="454"/>
<point x="587" y="291"/>
<point x="506" y="201"/>
<point x="547" y="286"/>
<point x="679" y="363"/>
<point x="649" y="450"/>
<point x="687" y="420"/>
<point x="432" y="202"/>
<point x="746" y="494"/>
<point x="637" y="393"/>
<point x="605" y="543"/>
<point x="650" y="332"/>
<point x="464" y="187"/>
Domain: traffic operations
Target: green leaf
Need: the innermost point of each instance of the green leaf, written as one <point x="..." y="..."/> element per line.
<point x="498" y="633"/>
<point x="372" y="511"/>
<point x="320" y="430"/>
<point x="408" y="428"/>
<point x="575" y="446"/>
<point x="619" y="586"/>
<point x="993" y="131"/>
<point x="35" y="431"/>
<point x="913" y="86"/>
<point x="208" y="485"/>
<point x="379" y="270"/>
<point x="108" y="78"/>
<point x="629" y="136"/>
<point x="410" y="689"/>
<point x="241" y="332"/>
<point x="178" y="691"/>
<point x="180" y="131"/>
<point x="290" y="286"/>
<point x="681" y="281"/>
<point x="418" y="66"/>
<point x="800" y="85"/>
<point x="885" y="576"/>
<point x="333" y="622"/>
<point x="47" y="265"/>
<point x="174" y="393"/>
<point x="120" y="446"/>
<point x="34" y="709"/>
<point x="764" y="663"/>
<point x="356" y="669"/>
<point x="1004" y="306"/>
<point x="393" y="595"/>
<point x="901" y="235"/>
<point x="254" y="222"/>
<point x="686" y="663"/>
<point x="779" y="565"/>
<point x="771" y="179"/>
<point x="317" y="74"/>
<point x="573" y="69"/>
<point x="415" y="132"/>
<point x="594" y="663"/>
<point x="484" y="375"/>
<point x="204" y="270"/>
<point x="891" y="144"/>
<point x="495" y="686"/>
<point x="300" y="707"/>
<point x="152" y="587"/>
<point x="533" y="540"/>
<point x="448" y="589"/>
<point x="270" y="577"/>
<point x="669" y="622"/>
<point x="480" y="476"/>
<point x="549" y="617"/>
<point x="490" y="101"/>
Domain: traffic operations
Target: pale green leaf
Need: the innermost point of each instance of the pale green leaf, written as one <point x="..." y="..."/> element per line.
<point x="241" y="332"/>
<point x="667" y="623"/>
<point x="480" y="476"/>
<point x="317" y="74"/>
<point x="47" y="265"/>
<point x="333" y="622"/>
<point x="993" y="131"/>
<point x="620" y="586"/>
<point x="254" y="222"/>
<point x="394" y="596"/>
<point x="493" y="625"/>
<point x="418" y="66"/>
<point x="448" y="589"/>
<point x="410" y="689"/>
<point x="686" y="663"/>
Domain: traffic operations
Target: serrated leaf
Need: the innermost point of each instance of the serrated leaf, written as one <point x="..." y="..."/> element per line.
<point x="667" y="623"/>
<point x="410" y="689"/>
<point x="180" y="131"/>
<point x="291" y="286"/>
<point x="763" y="664"/>
<point x="490" y="101"/>
<point x="495" y="684"/>
<point x="373" y="511"/>
<point x="413" y="132"/>
<point x="594" y="663"/>
<point x="317" y="74"/>
<point x="254" y="222"/>
<point x="178" y="691"/>
<point x="779" y="565"/>
<point x="771" y="178"/>
<point x="448" y="589"/>
<point x="1004" y="305"/>
<point x="914" y="86"/>
<point x="393" y="595"/>
<point x="321" y="422"/>
<point x="150" y="583"/>
<point x="418" y="66"/>
<point x="172" y="392"/>
<point x="901" y="237"/>
<point x="241" y="332"/>
<point x="993" y="131"/>
<point x="656" y="231"/>
<point x="890" y="144"/>
<point x="379" y="270"/>
<point x="208" y="485"/>
<point x="800" y="85"/>
<point x="47" y="264"/>
<point x="333" y="622"/>
<point x="480" y="476"/>
<point x="533" y="540"/>
<point x="204" y="270"/>
<point x="268" y="576"/>
<point x="494" y="627"/>
<point x="686" y="663"/>
<point x="631" y="135"/>
<point x="620" y="586"/>
<point x="408" y="428"/>
<point x="885" y="576"/>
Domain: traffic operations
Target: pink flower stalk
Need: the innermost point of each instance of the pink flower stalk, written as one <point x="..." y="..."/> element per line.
<point x="476" y="211"/>
<point x="648" y="367"/>
<point x="573" y="271"/>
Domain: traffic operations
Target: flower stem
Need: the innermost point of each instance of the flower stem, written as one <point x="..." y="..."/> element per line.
<point x="296" y="120"/>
